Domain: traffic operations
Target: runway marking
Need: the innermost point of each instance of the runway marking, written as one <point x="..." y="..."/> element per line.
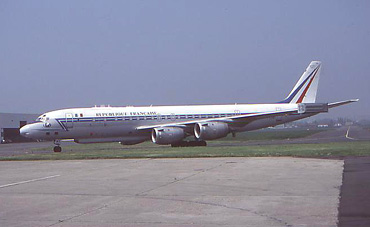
<point x="350" y="138"/>
<point x="28" y="181"/>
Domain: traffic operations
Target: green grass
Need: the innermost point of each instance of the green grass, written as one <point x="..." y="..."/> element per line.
<point x="116" y="151"/>
<point x="225" y="147"/>
<point x="271" y="134"/>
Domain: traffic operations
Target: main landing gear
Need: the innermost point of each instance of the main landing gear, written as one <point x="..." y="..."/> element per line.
<point x="200" y="143"/>
<point x="57" y="148"/>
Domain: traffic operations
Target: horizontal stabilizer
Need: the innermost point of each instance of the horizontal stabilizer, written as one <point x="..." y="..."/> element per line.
<point x="335" y="104"/>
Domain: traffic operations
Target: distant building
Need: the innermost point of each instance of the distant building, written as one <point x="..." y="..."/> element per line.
<point x="323" y="126"/>
<point x="349" y="123"/>
<point x="10" y="123"/>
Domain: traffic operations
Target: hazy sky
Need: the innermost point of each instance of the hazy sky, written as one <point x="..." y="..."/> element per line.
<point x="60" y="54"/>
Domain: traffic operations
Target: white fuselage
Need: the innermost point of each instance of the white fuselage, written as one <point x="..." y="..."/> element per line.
<point x="110" y="124"/>
<point x="172" y="124"/>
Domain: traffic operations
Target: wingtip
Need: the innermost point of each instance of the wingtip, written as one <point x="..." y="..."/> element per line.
<point x="353" y="100"/>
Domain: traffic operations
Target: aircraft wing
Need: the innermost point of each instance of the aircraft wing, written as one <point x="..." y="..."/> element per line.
<point x="243" y="118"/>
<point x="335" y="104"/>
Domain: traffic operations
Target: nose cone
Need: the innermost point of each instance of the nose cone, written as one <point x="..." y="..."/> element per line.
<point x="32" y="131"/>
<point x="25" y="131"/>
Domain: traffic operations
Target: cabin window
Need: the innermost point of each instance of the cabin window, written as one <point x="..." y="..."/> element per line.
<point x="48" y="133"/>
<point x="76" y="115"/>
<point x="81" y="115"/>
<point x="56" y="133"/>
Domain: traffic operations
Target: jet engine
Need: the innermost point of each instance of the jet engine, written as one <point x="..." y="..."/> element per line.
<point x="211" y="130"/>
<point x="167" y="135"/>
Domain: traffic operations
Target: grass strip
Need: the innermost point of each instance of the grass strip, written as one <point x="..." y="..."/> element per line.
<point x="116" y="151"/>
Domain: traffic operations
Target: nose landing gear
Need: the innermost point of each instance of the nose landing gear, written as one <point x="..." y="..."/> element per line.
<point x="57" y="148"/>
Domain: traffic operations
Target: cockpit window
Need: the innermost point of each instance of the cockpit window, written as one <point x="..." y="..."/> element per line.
<point x="42" y="118"/>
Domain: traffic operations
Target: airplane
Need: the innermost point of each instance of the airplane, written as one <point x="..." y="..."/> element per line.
<point x="171" y="125"/>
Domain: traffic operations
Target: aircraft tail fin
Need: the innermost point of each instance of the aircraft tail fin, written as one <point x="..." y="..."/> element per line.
<point x="306" y="88"/>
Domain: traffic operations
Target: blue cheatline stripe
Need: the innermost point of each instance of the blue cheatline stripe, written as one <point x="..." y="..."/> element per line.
<point x="290" y="98"/>
<point x="61" y="124"/>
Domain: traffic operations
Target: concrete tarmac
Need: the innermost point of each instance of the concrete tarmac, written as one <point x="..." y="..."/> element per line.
<point x="171" y="192"/>
<point x="354" y="207"/>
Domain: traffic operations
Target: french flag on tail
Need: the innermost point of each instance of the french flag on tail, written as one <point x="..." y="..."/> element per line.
<point x="306" y="88"/>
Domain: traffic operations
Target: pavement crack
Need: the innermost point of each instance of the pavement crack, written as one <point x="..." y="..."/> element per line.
<point x="178" y="180"/>
<point x="282" y="222"/>
<point x="85" y="213"/>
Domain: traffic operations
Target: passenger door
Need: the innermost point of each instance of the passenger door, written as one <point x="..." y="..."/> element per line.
<point x="69" y="120"/>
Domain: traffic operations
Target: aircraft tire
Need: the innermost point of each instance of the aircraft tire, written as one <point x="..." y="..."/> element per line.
<point x="57" y="149"/>
<point x="202" y="143"/>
